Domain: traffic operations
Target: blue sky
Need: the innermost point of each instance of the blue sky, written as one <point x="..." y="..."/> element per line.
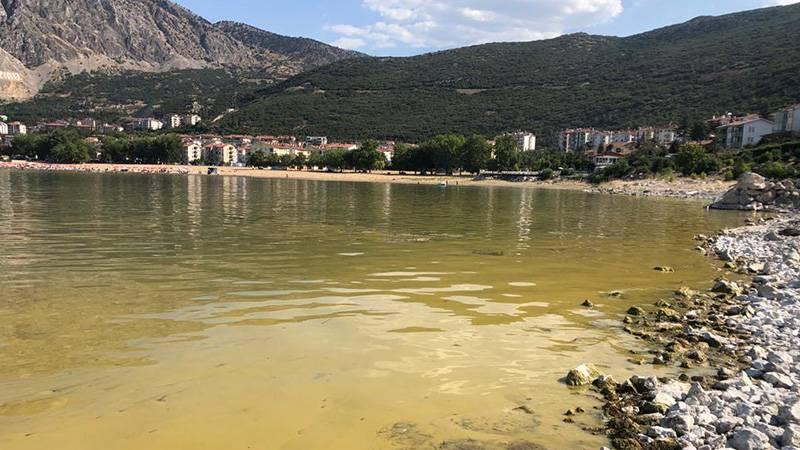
<point x="408" y="27"/>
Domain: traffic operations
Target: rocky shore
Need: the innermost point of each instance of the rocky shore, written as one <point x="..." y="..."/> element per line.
<point x="747" y="332"/>
<point x="683" y="188"/>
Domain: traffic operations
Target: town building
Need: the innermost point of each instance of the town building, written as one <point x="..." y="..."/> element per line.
<point x="604" y="160"/>
<point x="338" y="146"/>
<point x="194" y="151"/>
<point x="3" y="128"/>
<point x="602" y="139"/>
<point x="219" y="154"/>
<point x="646" y="134"/>
<point x="745" y="132"/>
<point x="190" y="120"/>
<point x="109" y="128"/>
<point x="148" y="124"/>
<point x="787" y="120"/>
<point x="15" y="128"/>
<point x="575" y="140"/>
<point x="316" y="141"/>
<point x="666" y="137"/>
<point x="173" y="121"/>
<point x="526" y="142"/>
<point x="625" y="137"/>
<point x="88" y="124"/>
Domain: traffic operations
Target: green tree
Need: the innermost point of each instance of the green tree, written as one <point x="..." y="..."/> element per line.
<point x="366" y="157"/>
<point x="299" y="161"/>
<point x="475" y="154"/>
<point x="258" y="158"/>
<point x="334" y="159"/>
<point x="507" y="154"/>
<point x="694" y="159"/>
<point x="71" y="152"/>
<point x="446" y="152"/>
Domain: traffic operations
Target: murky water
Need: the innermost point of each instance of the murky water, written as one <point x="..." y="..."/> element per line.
<point x="159" y="312"/>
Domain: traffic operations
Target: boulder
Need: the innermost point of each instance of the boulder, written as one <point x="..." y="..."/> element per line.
<point x="635" y="311"/>
<point x="751" y="182"/>
<point x="682" y="423"/>
<point x="791" y="436"/>
<point x="790" y="413"/>
<point x="583" y="375"/>
<point x="749" y="439"/>
<point x="723" y="286"/>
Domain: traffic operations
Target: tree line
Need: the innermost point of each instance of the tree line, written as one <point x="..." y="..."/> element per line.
<point x="364" y="158"/>
<point x="455" y="153"/>
<point x="68" y="146"/>
<point x="448" y="154"/>
<point x="779" y="159"/>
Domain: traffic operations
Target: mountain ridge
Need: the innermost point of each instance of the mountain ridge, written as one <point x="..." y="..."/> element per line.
<point x="144" y="35"/>
<point x="744" y="61"/>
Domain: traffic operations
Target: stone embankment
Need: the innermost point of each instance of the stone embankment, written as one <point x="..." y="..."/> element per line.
<point x="754" y="193"/>
<point x="749" y="332"/>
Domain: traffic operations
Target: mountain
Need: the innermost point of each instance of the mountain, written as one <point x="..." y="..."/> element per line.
<point x="141" y="35"/>
<point x="739" y="62"/>
<point x="15" y="80"/>
<point x="311" y="53"/>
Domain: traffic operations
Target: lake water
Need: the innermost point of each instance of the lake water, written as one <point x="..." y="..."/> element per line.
<point x="171" y="312"/>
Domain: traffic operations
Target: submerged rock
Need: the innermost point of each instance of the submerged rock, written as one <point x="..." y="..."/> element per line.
<point x="635" y="311"/>
<point x="583" y="375"/>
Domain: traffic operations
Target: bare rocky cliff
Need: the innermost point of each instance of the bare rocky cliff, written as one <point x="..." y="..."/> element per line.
<point x="16" y="81"/>
<point x="150" y="35"/>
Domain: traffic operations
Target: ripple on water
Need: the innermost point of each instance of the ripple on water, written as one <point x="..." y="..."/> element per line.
<point x="453" y="288"/>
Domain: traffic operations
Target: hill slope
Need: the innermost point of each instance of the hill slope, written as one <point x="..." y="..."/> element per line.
<point x="308" y="52"/>
<point x="740" y="62"/>
<point x="15" y="80"/>
<point x="150" y="35"/>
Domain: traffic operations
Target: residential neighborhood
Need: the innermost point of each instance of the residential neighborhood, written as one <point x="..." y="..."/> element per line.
<point x="603" y="147"/>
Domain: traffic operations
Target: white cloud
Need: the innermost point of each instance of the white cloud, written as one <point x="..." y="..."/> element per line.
<point x="435" y="24"/>
<point x="350" y="43"/>
<point x="783" y="2"/>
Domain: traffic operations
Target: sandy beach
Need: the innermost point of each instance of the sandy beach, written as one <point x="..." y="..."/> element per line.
<point x="678" y="188"/>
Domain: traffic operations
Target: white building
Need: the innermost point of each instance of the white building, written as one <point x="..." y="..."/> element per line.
<point x="787" y="120"/>
<point x="17" y="128"/>
<point x="606" y="160"/>
<point x="525" y="141"/>
<point x="625" y="137"/>
<point x="174" y="121"/>
<point x="3" y="128"/>
<point x="194" y="151"/>
<point x="666" y="137"/>
<point x="575" y="140"/>
<point x="219" y="154"/>
<point x="148" y="124"/>
<point x="745" y="132"/>
<point x="191" y="120"/>
<point x="316" y="141"/>
<point x="602" y="139"/>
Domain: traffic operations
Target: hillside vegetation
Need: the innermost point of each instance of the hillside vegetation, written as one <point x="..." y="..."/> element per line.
<point x="112" y="96"/>
<point x="740" y="62"/>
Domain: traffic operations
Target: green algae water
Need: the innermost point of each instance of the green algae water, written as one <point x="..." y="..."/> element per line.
<point x="169" y="312"/>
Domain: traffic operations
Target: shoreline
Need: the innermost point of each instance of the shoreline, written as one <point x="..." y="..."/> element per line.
<point x="680" y="188"/>
<point x="746" y="333"/>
